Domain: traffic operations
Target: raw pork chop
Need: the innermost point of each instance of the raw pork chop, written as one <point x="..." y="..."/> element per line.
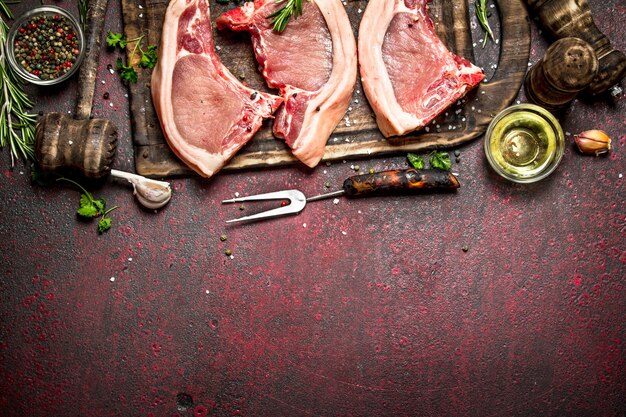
<point x="205" y="112"/>
<point x="408" y="75"/>
<point x="313" y="63"/>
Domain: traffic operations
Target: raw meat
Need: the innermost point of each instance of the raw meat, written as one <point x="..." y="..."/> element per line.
<point x="408" y="74"/>
<point x="313" y="63"/>
<point x="207" y="115"/>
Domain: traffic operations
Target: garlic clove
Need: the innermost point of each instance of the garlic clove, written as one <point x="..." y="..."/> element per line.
<point x="593" y="142"/>
<point x="151" y="195"/>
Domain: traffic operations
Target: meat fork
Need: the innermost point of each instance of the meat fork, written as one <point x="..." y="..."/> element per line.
<point x="357" y="185"/>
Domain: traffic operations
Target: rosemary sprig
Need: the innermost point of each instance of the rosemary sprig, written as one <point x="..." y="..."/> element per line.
<point x="82" y="13"/>
<point x="17" y="126"/>
<point x="481" y="14"/>
<point x="281" y="17"/>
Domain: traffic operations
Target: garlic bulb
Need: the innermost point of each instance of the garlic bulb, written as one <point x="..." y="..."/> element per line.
<point x="151" y="194"/>
<point x="593" y="142"/>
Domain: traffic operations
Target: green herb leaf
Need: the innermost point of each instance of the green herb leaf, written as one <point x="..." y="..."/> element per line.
<point x="440" y="160"/>
<point x="281" y="17"/>
<point x="100" y="205"/>
<point x="127" y="72"/>
<point x="149" y="57"/>
<point x="481" y="14"/>
<point x="89" y="211"/>
<point x="17" y="126"/>
<point x="86" y="200"/>
<point x="116" y="40"/>
<point x="416" y="161"/>
<point x="104" y="224"/>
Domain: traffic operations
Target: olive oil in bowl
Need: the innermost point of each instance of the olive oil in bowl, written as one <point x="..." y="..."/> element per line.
<point x="524" y="143"/>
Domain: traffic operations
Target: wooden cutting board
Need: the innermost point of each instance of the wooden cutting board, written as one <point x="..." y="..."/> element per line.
<point x="358" y="135"/>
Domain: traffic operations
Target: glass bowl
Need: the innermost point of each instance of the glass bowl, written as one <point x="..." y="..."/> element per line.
<point x="524" y="143"/>
<point x="33" y="48"/>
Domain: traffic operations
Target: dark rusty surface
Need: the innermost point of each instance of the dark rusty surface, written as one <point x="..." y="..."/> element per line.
<point x="499" y="300"/>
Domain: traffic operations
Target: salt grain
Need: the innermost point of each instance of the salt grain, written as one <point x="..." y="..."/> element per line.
<point x="304" y="225"/>
<point x="237" y="194"/>
<point x="344" y="233"/>
<point x="336" y="201"/>
<point x="112" y="279"/>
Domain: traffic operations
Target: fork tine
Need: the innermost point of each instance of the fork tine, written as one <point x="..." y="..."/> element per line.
<point x="296" y="199"/>
<point x="280" y="211"/>
<point x="276" y="195"/>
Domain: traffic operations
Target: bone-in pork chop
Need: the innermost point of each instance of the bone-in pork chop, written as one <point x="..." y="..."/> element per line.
<point x="312" y="62"/>
<point x="206" y="114"/>
<point x="408" y="74"/>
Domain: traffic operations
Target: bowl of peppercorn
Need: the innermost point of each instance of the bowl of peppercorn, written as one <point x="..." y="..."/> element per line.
<point x="45" y="45"/>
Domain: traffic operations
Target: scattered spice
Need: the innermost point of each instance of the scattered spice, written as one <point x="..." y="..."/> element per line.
<point x="223" y="238"/>
<point x="47" y="46"/>
<point x="228" y="252"/>
<point x="465" y="248"/>
<point x="105" y="96"/>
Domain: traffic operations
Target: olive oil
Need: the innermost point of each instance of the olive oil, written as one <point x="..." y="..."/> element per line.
<point x="524" y="143"/>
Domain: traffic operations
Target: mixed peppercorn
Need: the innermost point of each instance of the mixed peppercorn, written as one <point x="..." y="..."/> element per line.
<point x="47" y="46"/>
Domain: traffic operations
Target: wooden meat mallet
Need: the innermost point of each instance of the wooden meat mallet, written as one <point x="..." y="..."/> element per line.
<point x="80" y="144"/>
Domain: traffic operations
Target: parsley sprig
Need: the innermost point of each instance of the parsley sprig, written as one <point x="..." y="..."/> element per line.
<point x="481" y="14"/>
<point x="148" y="57"/>
<point x="436" y="159"/>
<point x="90" y="207"/>
<point x="281" y="17"/>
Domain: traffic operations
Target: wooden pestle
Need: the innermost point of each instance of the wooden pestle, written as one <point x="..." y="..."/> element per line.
<point x="569" y="66"/>
<point x="572" y="18"/>
<point x="80" y="144"/>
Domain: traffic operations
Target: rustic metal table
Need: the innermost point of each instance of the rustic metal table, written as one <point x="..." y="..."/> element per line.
<point x="498" y="300"/>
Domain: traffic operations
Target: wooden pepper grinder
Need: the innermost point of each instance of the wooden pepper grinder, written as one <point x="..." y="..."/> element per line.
<point x="572" y="18"/>
<point x="568" y="67"/>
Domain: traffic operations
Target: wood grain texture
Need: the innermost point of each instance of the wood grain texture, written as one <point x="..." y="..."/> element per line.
<point x="464" y="121"/>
